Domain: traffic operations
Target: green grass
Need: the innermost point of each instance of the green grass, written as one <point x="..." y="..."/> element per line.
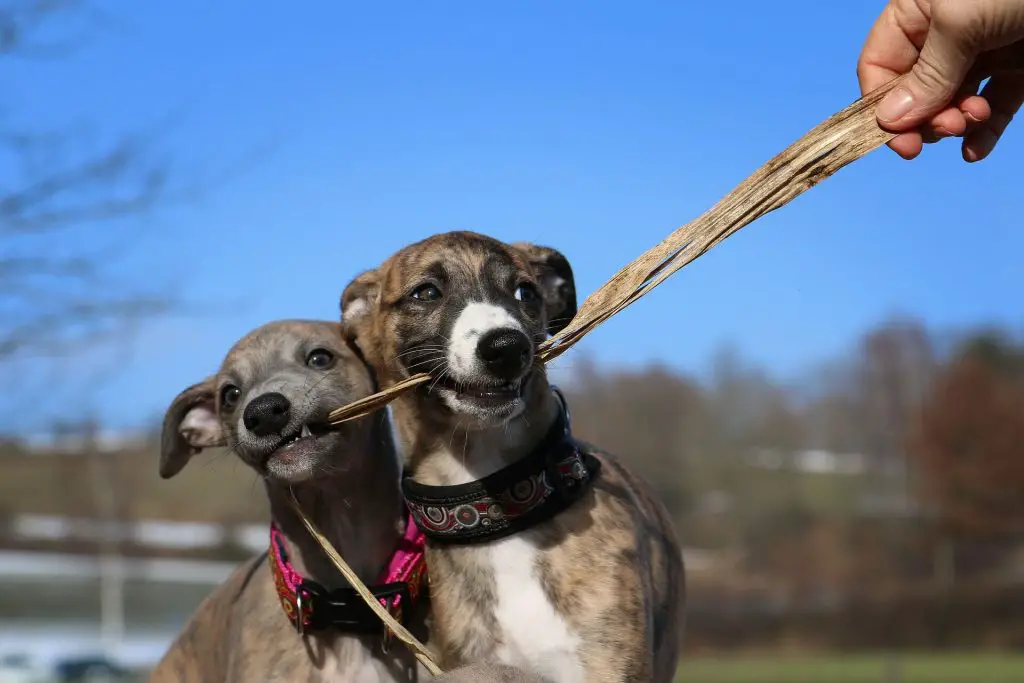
<point x="903" y="668"/>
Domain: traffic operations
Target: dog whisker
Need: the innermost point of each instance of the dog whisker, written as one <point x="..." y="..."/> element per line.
<point x="440" y="350"/>
<point x="439" y="377"/>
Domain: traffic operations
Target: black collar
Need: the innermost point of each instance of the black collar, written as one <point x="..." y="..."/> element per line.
<point x="527" y="492"/>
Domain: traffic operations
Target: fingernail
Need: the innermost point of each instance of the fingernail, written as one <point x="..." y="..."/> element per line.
<point x="895" y="105"/>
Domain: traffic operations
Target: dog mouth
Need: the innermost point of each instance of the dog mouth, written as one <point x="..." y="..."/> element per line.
<point x="300" y="439"/>
<point x="486" y="393"/>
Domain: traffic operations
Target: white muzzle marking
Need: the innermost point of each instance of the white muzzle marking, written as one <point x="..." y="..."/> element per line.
<point x="475" y="320"/>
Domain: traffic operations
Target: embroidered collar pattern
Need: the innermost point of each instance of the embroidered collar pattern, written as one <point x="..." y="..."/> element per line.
<point x="517" y="497"/>
<point x="311" y="607"/>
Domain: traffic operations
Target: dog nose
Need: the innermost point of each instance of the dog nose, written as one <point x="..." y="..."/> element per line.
<point x="505" y="352"/>
<point x="267" y="414"/>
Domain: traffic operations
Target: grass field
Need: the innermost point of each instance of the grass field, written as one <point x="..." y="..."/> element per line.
<point x="954" y="668"/>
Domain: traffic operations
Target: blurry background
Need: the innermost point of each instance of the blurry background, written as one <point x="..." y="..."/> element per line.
<point x="831" y="403"/>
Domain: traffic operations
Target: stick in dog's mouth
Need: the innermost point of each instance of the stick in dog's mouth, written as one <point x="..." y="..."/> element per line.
<point x="507" y="391"/>
<point x="839" y="140"/>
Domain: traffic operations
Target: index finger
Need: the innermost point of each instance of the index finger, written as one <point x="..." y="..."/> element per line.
<point x="889" y="50"/>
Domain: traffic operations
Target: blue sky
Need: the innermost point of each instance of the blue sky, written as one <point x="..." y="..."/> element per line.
<point x="594" y="127"/>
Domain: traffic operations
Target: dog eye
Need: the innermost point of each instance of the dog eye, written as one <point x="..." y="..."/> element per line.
<point x="320" y="359"/>
<point x="229" y="396"/>
<point x="426" y="292"/>
<point x="527" y="293"/>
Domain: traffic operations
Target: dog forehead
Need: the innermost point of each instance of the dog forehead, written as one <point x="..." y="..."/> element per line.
<point x="280" y="341"/>
<point x="461" y="253"/>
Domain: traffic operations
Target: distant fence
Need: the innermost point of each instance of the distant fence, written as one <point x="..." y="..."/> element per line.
<point x="929" y="618"/>
<point x="45" y="567"/>
<point x="137" y="538"/>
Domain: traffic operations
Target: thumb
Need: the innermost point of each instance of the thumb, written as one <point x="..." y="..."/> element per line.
<point x="933" y="81"/>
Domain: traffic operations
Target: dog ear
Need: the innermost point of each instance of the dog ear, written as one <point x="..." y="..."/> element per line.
<point x="190" y="425"/>
<point x="358" y="302"/>
<point x="554" y="274"/>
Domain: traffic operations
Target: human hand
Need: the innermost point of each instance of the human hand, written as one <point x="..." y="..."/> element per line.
<point x="948" y="47"/>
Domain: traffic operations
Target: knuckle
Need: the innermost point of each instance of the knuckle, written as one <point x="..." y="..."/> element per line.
<point x="932" y="78"/>
<point x="963" y="16"/>
<point x="905" y="13"/>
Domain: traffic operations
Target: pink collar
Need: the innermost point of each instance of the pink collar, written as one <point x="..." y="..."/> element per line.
<point x="310" y="606"/>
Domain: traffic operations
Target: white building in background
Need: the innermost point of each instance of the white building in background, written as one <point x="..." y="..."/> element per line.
<point x="154" y="533"/>
<point x="811" y="461"/>
<point x="105" y="440"/>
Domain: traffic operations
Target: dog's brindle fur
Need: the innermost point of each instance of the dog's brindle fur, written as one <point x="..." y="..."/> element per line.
<point x="346" y="481"/>
<point x="489" y="672"/>
<point x="594" y="594"/>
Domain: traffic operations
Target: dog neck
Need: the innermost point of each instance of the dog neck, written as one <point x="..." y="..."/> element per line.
<point x="456" y="455"/>
<point x="361" y="514"/>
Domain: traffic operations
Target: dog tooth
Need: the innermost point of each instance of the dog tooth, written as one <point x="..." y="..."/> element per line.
<point x="305" y="431"/>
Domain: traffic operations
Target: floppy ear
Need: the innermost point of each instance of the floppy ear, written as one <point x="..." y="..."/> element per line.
<point x="358" y="302"/>
<point x="557" y="284"/>
<point x="190" y="425"/>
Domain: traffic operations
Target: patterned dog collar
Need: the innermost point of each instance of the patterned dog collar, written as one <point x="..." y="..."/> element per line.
<point x="515" y="498"/>
<point x="311" y="607"/>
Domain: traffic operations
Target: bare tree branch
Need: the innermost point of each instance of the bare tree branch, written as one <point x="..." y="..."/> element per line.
<point x="22" y="22"/>
<point x="86" y="191"/>
<point x="56" y="184"/>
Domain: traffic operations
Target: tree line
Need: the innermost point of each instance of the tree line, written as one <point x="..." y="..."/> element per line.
<point x="900" y="462"/>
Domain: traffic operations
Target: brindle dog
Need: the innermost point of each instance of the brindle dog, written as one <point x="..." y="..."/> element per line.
<point x="591" y="593"/>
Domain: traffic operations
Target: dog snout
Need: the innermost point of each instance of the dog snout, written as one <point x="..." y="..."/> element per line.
<point x="267" y="414"/>
<point x="505" y="352"/>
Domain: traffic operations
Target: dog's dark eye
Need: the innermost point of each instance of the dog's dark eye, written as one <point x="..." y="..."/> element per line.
<point x="320" y="359"/>
<point x="426" y="292"/>
<point x="527" y="293"/>
<point x="229" y="396"/>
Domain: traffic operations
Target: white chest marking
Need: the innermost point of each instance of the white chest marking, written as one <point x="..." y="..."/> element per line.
<point x="534" y="635"/>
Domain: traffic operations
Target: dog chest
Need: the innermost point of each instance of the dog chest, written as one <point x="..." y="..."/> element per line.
<point x="533" y="634"/>
<point x="351" y="661"/>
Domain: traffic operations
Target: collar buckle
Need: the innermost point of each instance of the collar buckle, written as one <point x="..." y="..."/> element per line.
<point x="310" y="606"/>
<point x="395" y="597"/>
<point x="299" y="623"/>
<point x="566" y="472"/>
<point x="307" y="595"/>
<point x="396" y="592"/>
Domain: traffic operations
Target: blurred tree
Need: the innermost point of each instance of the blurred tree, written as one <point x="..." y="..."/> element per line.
<point x="54" y="182"/>
<point x="865" y="407"/>
<point x="865" y="403"/>
<point x="654" y="419"/>
<point x="894" y="368"/>
<point x="741" y="395"/>
<point x="970" y="441"/>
